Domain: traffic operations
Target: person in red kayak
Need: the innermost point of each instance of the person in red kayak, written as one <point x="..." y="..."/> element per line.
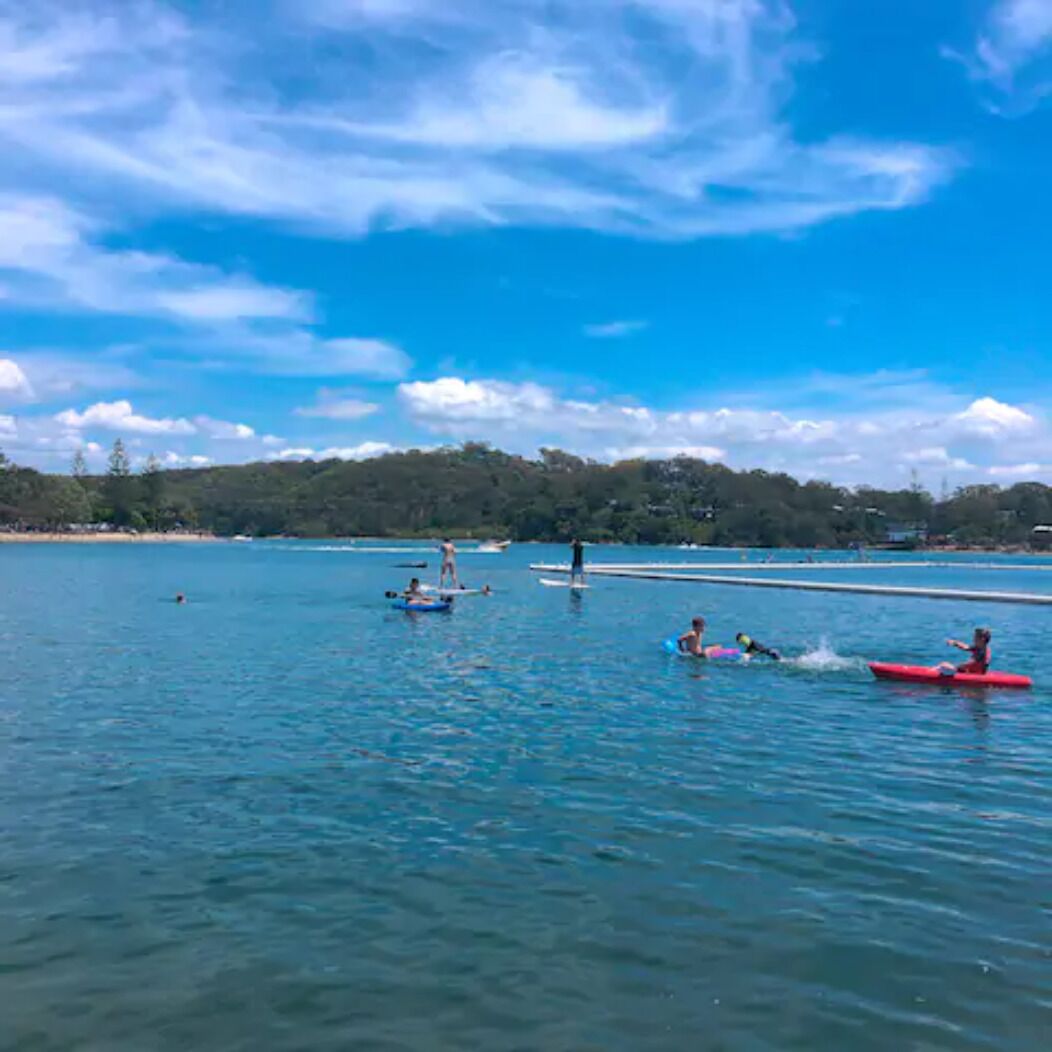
<point x="979" y="648"/>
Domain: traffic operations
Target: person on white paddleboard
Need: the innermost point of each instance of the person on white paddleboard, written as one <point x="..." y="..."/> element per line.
<point x="449" y="565"/>
<point x="577" y="562"/>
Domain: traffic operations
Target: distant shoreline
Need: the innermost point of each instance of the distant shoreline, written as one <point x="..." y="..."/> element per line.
<point x="106" y="538"/>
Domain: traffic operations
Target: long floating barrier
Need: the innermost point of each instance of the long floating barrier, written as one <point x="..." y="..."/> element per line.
<point x="1029" y="598"/>
<point x="896" y="565"/>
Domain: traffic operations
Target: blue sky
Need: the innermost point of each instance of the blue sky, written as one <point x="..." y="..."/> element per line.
<point x="809" y="237"/>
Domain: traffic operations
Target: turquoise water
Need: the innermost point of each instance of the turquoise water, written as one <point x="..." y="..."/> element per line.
<point x="285" y="816"/>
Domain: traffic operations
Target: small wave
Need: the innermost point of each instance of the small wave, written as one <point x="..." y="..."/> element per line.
<point x="823" y="658"/>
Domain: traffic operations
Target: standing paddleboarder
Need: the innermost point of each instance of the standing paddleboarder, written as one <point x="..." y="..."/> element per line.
<point x="449" y="565"/>
<point x="577" y="565"/>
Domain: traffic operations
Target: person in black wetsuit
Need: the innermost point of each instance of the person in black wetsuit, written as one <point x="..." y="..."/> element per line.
<point x="577" y="565"/>
<point x="750" y="647"/>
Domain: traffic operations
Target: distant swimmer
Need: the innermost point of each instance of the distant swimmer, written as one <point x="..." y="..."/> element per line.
<point x="980" y="652"/>
<point x="751" y="646"/>
<point x="180" y="598"/>
<point x="449" y="565"/>
<point x="577" y="565"/>
<point x="486" y="590"/>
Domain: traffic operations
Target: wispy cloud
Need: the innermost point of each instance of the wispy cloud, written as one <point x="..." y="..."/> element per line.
<point x="613" y="329"/>
<point x="51" y="255"/>
<point x="338" y="405"/>
<point x="1012" y="54"/>
<point x="653" y="117"/>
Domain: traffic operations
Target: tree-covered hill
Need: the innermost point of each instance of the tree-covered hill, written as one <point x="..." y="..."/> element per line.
<point x="477" y="491"/>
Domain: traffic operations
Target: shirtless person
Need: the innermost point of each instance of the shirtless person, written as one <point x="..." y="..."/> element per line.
<point x="692" y="642"/>
<point x="449" y="565"/>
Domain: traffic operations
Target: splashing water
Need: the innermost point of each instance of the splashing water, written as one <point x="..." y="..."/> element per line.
<point x="824" y="658"/>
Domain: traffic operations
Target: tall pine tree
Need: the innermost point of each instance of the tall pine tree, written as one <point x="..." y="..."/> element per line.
<point x="118" y="485"/>
<point x="153" y="490"/>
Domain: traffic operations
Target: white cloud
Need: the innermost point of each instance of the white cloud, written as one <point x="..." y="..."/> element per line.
<point x="8" y="426"/>
<point x="1011" y="54"/>
<point x="653" y="117"/>
<point x="987" y="416"/>
<point x="292" y="453"/>
<point x="223" y="429"/>
<point x="338" y="405"/>
<point x="233" y="301"/>
<point x="665" y="452"/>
<point x="1030" y="469"/>
<point x="451" y="402"/>
<point x="613" y="329"/>
<point x="375" y="359"/>
<point x="119" y="416"/>
<point x="859" y="442"/>
<point x="54" y="374"/>
<point x="935" y="457"/>
<point x="54" y="255"/>
<point x="511" y="102"/>
<point x="172" y="459"/>
<point x="362" y="451"/>
<point x="14" y="384"/>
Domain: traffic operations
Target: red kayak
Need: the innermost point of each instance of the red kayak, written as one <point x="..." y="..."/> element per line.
<point x="920" y="674"/>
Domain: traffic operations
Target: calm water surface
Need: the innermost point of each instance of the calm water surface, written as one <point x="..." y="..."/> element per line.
<point x="287" y="817"/>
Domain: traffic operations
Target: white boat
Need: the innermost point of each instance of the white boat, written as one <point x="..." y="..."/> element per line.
<point x="494" y="547"/>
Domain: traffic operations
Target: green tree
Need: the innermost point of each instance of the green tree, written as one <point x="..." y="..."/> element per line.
<point x="118" y="485"/>
<point x="152" y="490"/>
<point x="79" y="466"/>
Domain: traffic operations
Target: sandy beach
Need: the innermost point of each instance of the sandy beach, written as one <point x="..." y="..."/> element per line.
<point x="105" y="538"/>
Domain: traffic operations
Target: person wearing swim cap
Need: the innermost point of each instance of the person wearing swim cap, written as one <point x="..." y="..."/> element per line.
<point x="750" y="646"/>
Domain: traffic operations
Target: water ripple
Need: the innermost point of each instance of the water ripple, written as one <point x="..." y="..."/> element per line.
<point x="287" y="817"/>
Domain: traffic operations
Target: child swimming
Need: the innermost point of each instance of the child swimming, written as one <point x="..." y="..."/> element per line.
<point x="751" y="646"/>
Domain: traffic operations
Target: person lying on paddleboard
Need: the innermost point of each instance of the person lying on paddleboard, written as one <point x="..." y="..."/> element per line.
<point x="692" y="642"/>
<point x="751" y="646"/>
<point x="979" y="648"/>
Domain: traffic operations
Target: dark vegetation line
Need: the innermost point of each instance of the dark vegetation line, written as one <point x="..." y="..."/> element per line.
<point x="477" y="491"/>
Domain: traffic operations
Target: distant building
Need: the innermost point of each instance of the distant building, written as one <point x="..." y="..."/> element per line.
<point x="1041" y="537"/>
<point x="906" y="533"/>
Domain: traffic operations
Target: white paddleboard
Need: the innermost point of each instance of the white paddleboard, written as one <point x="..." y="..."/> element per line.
<point x="575" y="585"/>
<point x="446" y="593"/>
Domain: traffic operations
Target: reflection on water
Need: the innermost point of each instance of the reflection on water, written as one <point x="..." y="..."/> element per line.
<point x="286" y="816"/>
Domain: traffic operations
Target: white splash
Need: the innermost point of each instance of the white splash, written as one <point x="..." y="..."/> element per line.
<point x="823" y="658"/>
